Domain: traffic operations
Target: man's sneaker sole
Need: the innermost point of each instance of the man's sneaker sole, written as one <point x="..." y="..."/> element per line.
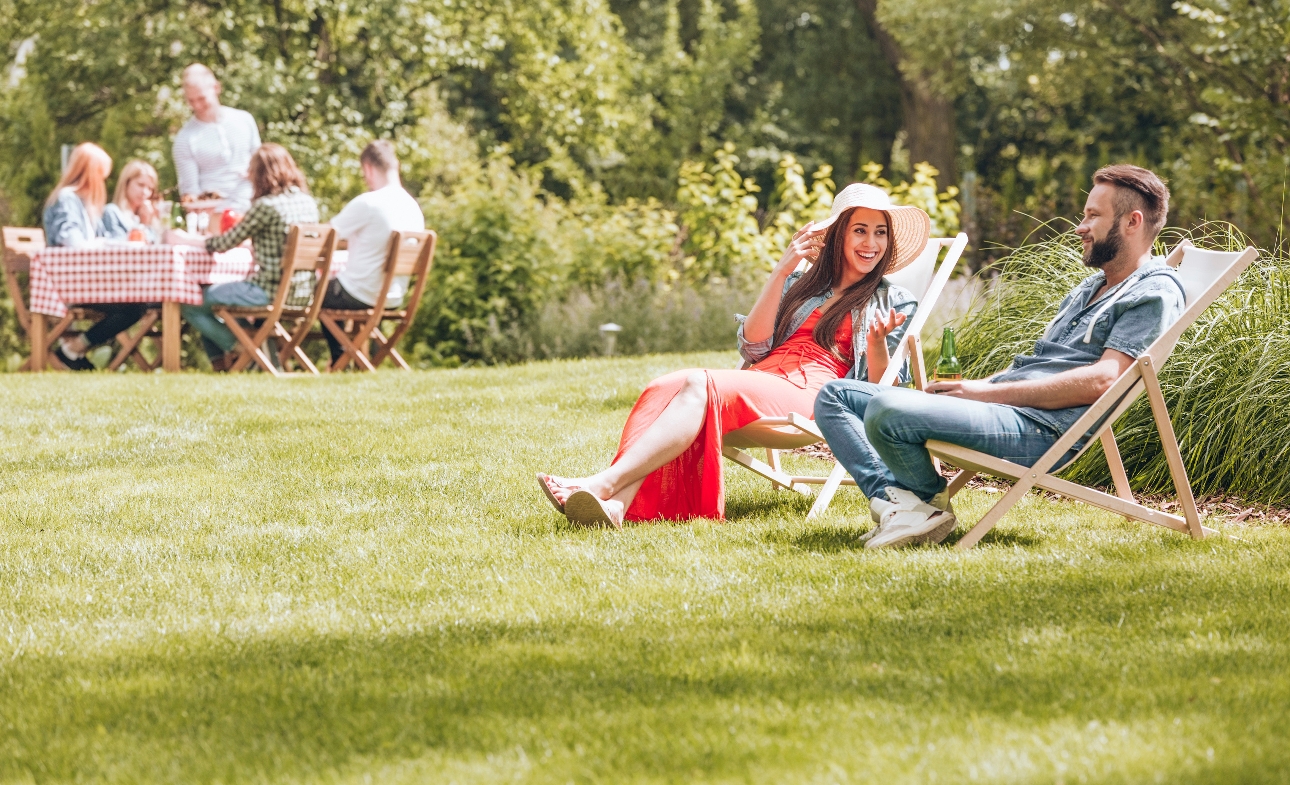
<point x="942" y="530"/>
<point x="937" y="536"/>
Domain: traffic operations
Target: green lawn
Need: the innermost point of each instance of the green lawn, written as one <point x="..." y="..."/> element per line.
<point x="354" y="579"/>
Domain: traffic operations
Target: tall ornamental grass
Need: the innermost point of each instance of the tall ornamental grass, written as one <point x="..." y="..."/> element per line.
<point x="1227" y="383"/>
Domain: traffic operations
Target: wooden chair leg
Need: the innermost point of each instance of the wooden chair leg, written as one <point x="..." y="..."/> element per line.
<point x="1015" y="494"/>
<point x="290" y="347"/>
<point x="1113" y="462"/>
<point x="960" y="480"/>
<point x="757" y="467"/>
<point x="347" y="338"/>
<point x="250" y="348"/>
<point x="830" y="487"/>
<point x="388" y="344"/>
<point x="1173" y="456"/>
<point x="130" y="343"/>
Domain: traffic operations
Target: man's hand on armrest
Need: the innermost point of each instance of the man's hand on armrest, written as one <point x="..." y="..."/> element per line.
<point x="1077" y="387"/>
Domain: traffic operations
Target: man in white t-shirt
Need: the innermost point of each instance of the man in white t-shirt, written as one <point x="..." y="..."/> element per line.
<point x="366" y="223"/>
<point x="213" y="149"/>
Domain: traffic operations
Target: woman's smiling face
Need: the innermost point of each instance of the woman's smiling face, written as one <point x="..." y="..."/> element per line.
<point x="866" y="240"/>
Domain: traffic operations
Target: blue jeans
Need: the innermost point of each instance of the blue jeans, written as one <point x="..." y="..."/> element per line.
<point x="214" y="334"/>
<point x="879" y="433"/>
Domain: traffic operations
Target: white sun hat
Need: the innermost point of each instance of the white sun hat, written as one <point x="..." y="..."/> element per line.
<point x="909" y="228"/>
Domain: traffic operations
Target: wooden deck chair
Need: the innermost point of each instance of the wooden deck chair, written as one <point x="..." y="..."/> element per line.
<point x="926" y="281"/>
<point x="410" y="254"/>
<point x="20" y="244"/>
<point x="1205" y="275"/>
<point x="309" y="247"/>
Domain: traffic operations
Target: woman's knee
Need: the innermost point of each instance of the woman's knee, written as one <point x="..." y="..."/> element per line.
<point x="696" y="384"/>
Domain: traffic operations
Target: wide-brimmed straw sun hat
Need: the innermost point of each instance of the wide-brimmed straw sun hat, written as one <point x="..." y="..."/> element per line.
<point x="910" y="226"/>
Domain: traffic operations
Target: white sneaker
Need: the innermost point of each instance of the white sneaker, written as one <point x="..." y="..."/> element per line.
<point x="877" y="506"/>
<point x="906" y="519"/>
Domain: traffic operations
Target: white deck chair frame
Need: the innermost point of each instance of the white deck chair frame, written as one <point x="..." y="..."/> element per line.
<point x="1206" y="275"/>
<point x="798" y="430"/>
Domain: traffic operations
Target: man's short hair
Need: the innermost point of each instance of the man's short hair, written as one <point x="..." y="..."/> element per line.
<point x="380" y="154"/>
<point x="1137" y="189"/>
<point x="198" y="73"/>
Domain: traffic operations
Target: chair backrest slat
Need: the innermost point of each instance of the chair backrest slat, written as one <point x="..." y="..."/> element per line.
<point x="20" y="243"/>
<point x="917" y="275"/>
<point x="1205" y="275"/>
<point x="310" y="243"/>
<point x="1199" y="268"/>
<point x="408" y="251"/>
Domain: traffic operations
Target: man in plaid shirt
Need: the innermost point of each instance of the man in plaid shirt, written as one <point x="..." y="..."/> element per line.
<point x="281" y="200"/>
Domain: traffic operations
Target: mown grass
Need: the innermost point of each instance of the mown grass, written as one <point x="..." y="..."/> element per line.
<point x="355" y="579"/>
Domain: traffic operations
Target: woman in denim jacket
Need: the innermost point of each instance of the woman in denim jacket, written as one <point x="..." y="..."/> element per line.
<point x="74" y="219"/>
<point x="839" y="318"/>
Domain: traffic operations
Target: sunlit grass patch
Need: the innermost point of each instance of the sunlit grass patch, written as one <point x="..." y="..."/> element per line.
<point x="248" y="579"/>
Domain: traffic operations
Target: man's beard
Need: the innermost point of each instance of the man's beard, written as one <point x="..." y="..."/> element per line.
<point x="1103" y="251"/>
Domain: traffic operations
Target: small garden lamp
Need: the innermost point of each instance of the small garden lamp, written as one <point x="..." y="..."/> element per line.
<point x="609" y="334"/>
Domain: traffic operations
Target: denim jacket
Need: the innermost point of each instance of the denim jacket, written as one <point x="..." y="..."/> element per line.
<point x="118" y="222"/>
<point x="68" y="223"/>
<point x="888" y="298"/>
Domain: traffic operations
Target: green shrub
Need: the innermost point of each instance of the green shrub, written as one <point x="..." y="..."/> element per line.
<point x="654" y="317"/>
<point x="1227" y="383"/>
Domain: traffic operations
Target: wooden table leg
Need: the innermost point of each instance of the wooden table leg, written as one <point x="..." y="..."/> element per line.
<point x="170" y="335"/>
<point x="38" y="340"/>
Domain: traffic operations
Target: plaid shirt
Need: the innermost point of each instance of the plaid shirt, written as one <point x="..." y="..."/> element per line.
<point x="267" y="223"/>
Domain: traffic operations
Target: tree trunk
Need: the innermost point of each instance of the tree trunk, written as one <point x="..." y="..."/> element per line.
<point x="931" y="133"/>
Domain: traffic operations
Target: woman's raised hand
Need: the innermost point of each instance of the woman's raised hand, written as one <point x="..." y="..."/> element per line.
<point x="880" y="328"/>
<point x="147" y="211"/>
<point x="806" y="244"/>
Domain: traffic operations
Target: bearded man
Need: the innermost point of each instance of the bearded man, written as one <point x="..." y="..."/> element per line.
<point x="879" y="433"/>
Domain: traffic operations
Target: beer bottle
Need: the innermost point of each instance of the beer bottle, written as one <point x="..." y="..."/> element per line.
<point x="177" y="215"/>
<point x="948" y="368"/>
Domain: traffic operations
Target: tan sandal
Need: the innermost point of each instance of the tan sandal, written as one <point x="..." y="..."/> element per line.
<point x="586" y="509"/>
<point x="542" y="481"/>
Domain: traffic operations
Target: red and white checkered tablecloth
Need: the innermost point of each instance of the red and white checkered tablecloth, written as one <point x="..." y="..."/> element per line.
<point x="130" y="274"/>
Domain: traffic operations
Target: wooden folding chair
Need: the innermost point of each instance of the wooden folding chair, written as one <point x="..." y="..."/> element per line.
<point x="1205" y="275"/>
<point x="309" y="247"/>
<point x="926" y="281"/>
<point x="410" y="254"/>
<point x="20" y="244"/>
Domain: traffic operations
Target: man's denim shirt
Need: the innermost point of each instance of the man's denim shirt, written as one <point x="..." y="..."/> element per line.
<point x="1128" y="318"/>
<point x="888" y="298"/>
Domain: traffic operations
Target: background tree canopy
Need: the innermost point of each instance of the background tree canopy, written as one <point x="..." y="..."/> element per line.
<point x="566" y="125"/>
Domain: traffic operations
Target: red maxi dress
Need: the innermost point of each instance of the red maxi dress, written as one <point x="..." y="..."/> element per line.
<point x="787" y="380"/>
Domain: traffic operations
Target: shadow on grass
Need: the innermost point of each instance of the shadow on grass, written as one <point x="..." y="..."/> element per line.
<point x="770" y="503"/>
<point x="821" y="540"/>
<point x="996" y="536"/>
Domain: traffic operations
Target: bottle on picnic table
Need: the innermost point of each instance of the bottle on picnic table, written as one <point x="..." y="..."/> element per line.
<point x="948" y="368"/>
<point x="177" y="216"/>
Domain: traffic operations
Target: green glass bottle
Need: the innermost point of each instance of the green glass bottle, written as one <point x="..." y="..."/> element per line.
<point x="177" y="216"/>
<point x="948" y="368"/>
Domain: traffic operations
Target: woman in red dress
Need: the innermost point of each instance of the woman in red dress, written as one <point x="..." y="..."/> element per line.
<point x="839" y="318"/>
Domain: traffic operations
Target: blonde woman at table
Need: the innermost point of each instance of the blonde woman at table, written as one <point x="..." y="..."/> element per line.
<point x="281" y="199"/>
<point x="73" y="219"/>
<point x="132" y="206"/>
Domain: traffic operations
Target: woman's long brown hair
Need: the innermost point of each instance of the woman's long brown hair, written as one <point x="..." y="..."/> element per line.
<point x="824" y="275"/>
<point x="273" y="170"/>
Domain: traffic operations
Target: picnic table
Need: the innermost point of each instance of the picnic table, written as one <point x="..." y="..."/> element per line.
<point x="170" y="274"/>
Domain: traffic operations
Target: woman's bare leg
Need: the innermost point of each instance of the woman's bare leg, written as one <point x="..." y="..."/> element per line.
<point x="669" y="436"/>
